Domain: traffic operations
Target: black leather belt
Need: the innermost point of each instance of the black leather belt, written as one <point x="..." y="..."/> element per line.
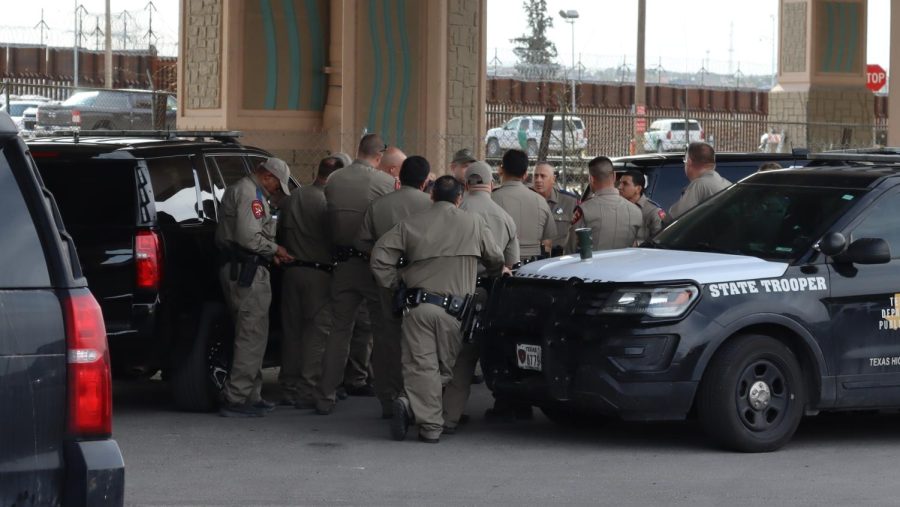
<point x="453" y="305"/>
<point x="344" y="253"/>
<point x="328" y="268"/>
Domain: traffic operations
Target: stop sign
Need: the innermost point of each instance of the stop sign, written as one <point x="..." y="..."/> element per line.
<point x="876" y="77"/>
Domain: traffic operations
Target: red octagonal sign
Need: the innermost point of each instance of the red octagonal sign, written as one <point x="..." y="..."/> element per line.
<point x="876" y="77"/>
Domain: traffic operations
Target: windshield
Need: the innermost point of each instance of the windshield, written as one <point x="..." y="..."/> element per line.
<point x="81" y="99"/>
<point x="19" y="109"/>
<point x="767" y="221"/>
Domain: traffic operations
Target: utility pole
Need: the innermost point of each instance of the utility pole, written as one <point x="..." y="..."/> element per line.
<point x="496" y="61"/>
<point x="150" y="35"/>
<point x="108" y="71"/>
<point x="79" y="12"/>
<point x="640" y="91"/>
<point x="43" y="25"/>
<point x="96" y="33"/>
<point x="125" y="16"/>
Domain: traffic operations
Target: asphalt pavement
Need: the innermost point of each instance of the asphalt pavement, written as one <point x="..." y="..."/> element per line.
<point x="295" y="457"/>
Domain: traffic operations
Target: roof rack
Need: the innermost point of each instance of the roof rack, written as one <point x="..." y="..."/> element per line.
<point x="225" y="136"/>
<point x="885" y="157"/>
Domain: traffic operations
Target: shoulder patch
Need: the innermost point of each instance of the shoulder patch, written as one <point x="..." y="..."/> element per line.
<point x="258" y="210"/>
<point x="396" y="184"/>
<point x="577" y="215"/>
<point x="661" y="213"/>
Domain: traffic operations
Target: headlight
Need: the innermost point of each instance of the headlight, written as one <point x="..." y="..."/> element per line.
<point x="651" y="301"/>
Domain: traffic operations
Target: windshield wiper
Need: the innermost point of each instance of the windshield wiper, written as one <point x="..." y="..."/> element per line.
<point x="706" y="247"/>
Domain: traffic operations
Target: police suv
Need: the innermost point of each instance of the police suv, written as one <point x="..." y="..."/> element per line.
<point x="778" y="297"/>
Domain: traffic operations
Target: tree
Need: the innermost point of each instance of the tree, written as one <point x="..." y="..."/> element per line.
<point x="536" y="55"/>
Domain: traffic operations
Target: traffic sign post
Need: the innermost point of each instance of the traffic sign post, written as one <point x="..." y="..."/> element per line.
<point x="876" y="77"/>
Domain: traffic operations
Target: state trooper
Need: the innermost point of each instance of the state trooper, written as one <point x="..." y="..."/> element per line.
<point x="562" y="205"/>
<point x="348" y="193"/>
<point x="443" y="246"/>
<point x="479" y="183"/>
<point x="614" y="221"/>
<point x="459" y="164"/>
<point x="384" y="213"/>
<point x="700" y="169"/>
<point x="305" y="288"/>
<point x="530" y="211"/>
<point x="245" y="237"/>
<point x="631" y="187"/>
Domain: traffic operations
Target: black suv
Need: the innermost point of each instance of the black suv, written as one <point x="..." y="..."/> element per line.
<point x="55" y="387"/>
<point x="776" y="298"/>
<point x="143" y="214"/>
<point x="665" y="171"/>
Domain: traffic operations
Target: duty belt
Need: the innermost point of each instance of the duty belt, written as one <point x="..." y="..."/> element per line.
<point x="453" y="305"/>
<point x="328" y="268"/>
<point x="344" y="253"/>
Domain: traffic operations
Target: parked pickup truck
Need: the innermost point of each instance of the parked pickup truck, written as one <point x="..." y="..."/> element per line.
<point x="108" y="109"/>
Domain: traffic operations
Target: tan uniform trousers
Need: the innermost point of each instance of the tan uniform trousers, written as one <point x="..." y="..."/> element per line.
<point x="353" y="284"/>
<point x="431" y="340"/>
<point x="358" y="371"/>
<point x="306" y="321"/>
<point x="249" y="307"/>
<point x="456" y="394"/>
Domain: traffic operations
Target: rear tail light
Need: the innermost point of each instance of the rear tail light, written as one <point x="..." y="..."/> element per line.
<point x="702" y="135"/>
<point x="669" y="135"/>
<point x="76" y="116"/>
<point x="147" y="259"/>
<point x="90" y="386"/>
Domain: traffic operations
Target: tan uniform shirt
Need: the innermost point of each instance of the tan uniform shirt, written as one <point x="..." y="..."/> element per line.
<point x="303" y="227"/>
<point x="562" y="208"/>
<point x="349" y="191"/>
<point x="388" y="210"/>
<point x="652" y="219"/>
<point x="443" y="245"/>
<point x="501" y="225"/>
<point x="245" y="219"/>
<point x="614" y="220"/>
<point x="697" y="191"/>
<point x="531" y="214"/>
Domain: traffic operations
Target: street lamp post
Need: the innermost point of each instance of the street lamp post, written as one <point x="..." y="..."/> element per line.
<point x="570" y="16"/>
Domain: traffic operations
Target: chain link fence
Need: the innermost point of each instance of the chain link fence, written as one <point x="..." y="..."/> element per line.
<point x="609" y="132"/>
<point x="41" y="107"/>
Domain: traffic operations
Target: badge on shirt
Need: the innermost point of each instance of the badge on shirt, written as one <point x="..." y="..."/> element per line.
<point x="258" y="210"/>
<point x="576" y="216"/>
<point x="559" y="210"/>
<point x="661" y="213"/>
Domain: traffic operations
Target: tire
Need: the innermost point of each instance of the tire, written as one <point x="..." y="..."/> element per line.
<point x="532" y="148"/>
<point x="572" y="418"/>
<point x="493" y="148"/>
<point x="202" y="367"/>
<point x="732" y="408"/>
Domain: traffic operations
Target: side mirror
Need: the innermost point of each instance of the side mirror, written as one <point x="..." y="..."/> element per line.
<point x="832" y="244"/>
<point x="869" y="251"/>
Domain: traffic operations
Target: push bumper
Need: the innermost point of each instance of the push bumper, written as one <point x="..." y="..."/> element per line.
<point x="95" y="473"/>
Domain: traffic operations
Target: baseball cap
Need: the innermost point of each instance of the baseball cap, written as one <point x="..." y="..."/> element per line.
<point x="280" y="170"/>
<point x="343" y="157"/>
<point x="463" y="156"/>
<point x="479" y="173"/>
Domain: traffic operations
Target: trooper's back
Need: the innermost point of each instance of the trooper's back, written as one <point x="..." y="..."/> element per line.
<point x="531" y="214"/>
<point x="614" y="221"/>
<point x="349" y="191"/>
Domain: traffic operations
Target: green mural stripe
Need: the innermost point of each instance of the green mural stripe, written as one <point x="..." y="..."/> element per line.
<point x="271" y="54"/>
<point x="829" y="35"/>
<point x="407" y="70"/>
<point x="376" y="60"/>
<point x="854" y="37"/>
<point x="391" y="72"/>
<point x="842" y="42"/>
<point x="294" y="54"/>
<point x="317" y="97"/>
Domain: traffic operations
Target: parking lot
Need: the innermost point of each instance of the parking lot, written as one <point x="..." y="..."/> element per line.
<point x="294" y="457"/>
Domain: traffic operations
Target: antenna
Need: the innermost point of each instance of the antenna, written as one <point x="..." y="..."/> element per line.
<point x="80" y="13"/>
<point x="124" y="16"/>
<point x="42" y="25"/>
<point x="659" y="70"/>
<point x="150" y="35"/>
<point x="704" y="70"/>
<point x="495" y="62"/>
<point x="624" y="70"/>
<point x="97" y="32"/>
<point x="738" y="75"/>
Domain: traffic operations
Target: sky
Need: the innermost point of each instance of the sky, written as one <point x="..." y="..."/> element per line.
<point x="678" y="32"/>
<point x="682" y="35"/>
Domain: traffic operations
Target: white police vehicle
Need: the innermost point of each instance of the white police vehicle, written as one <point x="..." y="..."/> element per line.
<point x="778" y="297"/>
